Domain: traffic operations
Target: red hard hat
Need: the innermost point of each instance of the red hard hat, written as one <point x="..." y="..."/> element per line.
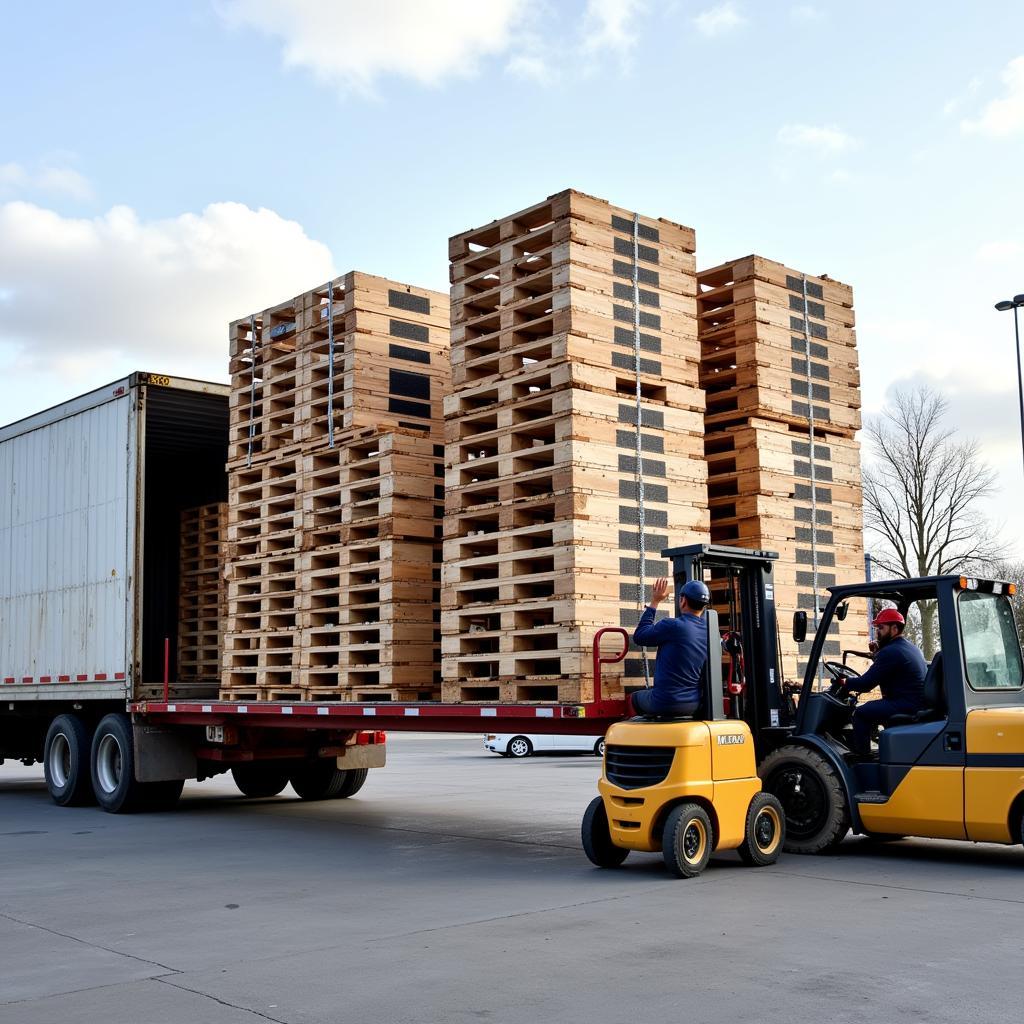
<point x="888" y="616"/>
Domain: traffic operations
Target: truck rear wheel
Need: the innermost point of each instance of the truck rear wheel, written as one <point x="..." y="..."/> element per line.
<point x="260" y="779"/>
<point x="812" y="795"/>
<point x="113" y="772"/>
<point x="323" y="780"/>
<point x="66" y="761"/>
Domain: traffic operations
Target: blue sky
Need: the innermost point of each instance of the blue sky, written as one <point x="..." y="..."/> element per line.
<point x="169" y="166"/>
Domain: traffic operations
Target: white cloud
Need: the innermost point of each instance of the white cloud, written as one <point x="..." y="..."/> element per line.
<point x="531" y="66"/>
<point x="352" y="44"/>
<point x="1003" y="117"/>
<point x="607" y="25"/>
<point x="717" y="21"/>
<point x="15" y="177"/>
<point x="825" y="138"/>
<point x="998" y="251"/>
<point x="951" y="106"/>
<point x="94" y="297"/>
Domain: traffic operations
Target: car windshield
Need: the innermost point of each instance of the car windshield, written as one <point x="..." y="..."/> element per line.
<point x="991" y="647"/>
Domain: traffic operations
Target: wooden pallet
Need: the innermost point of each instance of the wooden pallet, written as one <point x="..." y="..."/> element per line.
<point x="202" y="603"/>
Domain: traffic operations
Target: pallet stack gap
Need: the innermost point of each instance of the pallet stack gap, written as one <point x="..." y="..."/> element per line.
<point x="336" y="495"/>
<point x="542" y="544"/>
<point x="202" y="597"/>
<point x="778" y="360"/>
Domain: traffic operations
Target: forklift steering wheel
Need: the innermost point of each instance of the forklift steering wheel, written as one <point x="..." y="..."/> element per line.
<point x="836" y="669"/>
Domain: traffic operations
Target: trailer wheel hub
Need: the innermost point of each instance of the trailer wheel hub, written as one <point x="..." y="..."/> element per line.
<point x="108" y="763"/>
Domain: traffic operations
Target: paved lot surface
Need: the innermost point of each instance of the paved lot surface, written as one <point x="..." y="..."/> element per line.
<point x="452" y="888"/>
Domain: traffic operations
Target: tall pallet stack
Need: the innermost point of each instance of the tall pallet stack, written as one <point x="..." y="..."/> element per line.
<point x="778" y="359"/>
<point x="541" y="522"/>
<point x="336" y="495"/>
<point x="202" y="599"/>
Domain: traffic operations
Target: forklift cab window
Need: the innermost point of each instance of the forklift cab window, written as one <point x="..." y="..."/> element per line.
<point x="991" y="646"/>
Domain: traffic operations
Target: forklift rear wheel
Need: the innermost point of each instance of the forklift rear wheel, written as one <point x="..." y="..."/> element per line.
<point x="817" y="815"/>
<point x="597" y="839"/>
<point x="765" y="831"/>
<point x="686" y="840"/>
<point x="260" y="779"/>
<point x="519" y="746"/>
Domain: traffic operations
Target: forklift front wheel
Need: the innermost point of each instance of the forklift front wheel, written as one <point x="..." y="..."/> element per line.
<point x="765" y="831"/>
<point x="597" y="838"/>
<point x="686" y="840"/>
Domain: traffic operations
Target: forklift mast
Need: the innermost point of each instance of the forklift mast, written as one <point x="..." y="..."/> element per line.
<point x="742" y="589"/>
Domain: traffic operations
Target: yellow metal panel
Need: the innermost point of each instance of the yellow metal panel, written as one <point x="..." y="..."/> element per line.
<point x="732" y="800"/>
<point x="995" y="731"/>
<point x="928" y="802"/>
<point x="732" y="751"/>
<point x="990" y="794"/>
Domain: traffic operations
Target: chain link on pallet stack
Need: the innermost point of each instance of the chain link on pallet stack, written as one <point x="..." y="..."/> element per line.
<point x="779" y="367"/>
<point x="542" y="488"/>
<point x="336" y="495"/>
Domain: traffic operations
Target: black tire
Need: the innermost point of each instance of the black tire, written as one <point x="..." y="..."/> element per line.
<point x="260" y="779"/>
<point x="519" y="746"/>
<point x="686" y="840"/>
<point x="812" y="795"/>
<point x="765" y="832"/>
<point x="599" y="748"/>
<point x="112" y="768"/>
<point x="66" y="761"/>
<point x="355" y="779"/>
<point x="324" y="780"/>
<point x="597" y="839"/>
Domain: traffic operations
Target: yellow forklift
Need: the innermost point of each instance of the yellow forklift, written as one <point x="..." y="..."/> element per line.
<point x="953" y="770"/>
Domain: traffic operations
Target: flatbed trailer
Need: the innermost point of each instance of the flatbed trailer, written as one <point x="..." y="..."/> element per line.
<point x="89" y="580"/>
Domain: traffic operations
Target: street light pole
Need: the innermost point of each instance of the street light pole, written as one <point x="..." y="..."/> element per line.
<point x="1015" y="303"/>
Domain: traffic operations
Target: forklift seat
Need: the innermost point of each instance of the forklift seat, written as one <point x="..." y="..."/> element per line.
<point x="934" y="703"/>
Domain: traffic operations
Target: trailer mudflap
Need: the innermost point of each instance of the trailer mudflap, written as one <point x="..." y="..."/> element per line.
<point x="364" y="755"/>
<point x="162" y="755"/>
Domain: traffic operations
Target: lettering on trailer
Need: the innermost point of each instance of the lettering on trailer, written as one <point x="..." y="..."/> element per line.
<point x="731" y="739"/>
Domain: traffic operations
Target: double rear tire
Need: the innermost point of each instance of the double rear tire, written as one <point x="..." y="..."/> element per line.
<point x="323" y="780"/>
<point x="66" y="753"/>
<point x="113" y="772"/>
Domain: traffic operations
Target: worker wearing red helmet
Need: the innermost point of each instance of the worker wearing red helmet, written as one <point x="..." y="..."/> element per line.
<point x="898" y="671"/>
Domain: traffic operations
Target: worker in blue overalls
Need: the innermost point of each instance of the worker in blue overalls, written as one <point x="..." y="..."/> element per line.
<point x="682" y="651"/>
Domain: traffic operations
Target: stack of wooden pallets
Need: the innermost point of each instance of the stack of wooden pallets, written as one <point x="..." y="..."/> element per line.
<point x="201" y="596"/>
<point x="778" y="356"/>
<point x="542" y="542"/>
<point x="336" y="495"/>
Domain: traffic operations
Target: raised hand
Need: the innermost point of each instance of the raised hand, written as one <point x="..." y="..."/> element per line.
<point x="659" y="591"/>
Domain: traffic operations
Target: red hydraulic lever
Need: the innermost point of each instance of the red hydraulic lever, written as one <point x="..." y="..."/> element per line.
<point x="599" y="661"/>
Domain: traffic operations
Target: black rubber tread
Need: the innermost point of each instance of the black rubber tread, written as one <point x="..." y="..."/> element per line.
<point x="597" y="839"/>
<point x="749" y="850"/>
<point x="355" y="779"/>
<point x="78" y="789"/>
<point x="130" y="795"/>
<point x="599" y="748"/>
<point x="833" y="822"/>
<point x="318" y="780"/>
<point x="260" y="779"/>
<point x="679" y="818"/>
<point x="529" y="745"/>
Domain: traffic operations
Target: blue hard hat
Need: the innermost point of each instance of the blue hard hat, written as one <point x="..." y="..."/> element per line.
<point x="696" y="592"/>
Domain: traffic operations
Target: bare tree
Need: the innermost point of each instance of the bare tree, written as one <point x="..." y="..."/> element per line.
<point x="921" y="496"/>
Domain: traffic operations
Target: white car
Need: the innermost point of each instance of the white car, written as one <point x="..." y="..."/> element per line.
<point x="517" y="744"/>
